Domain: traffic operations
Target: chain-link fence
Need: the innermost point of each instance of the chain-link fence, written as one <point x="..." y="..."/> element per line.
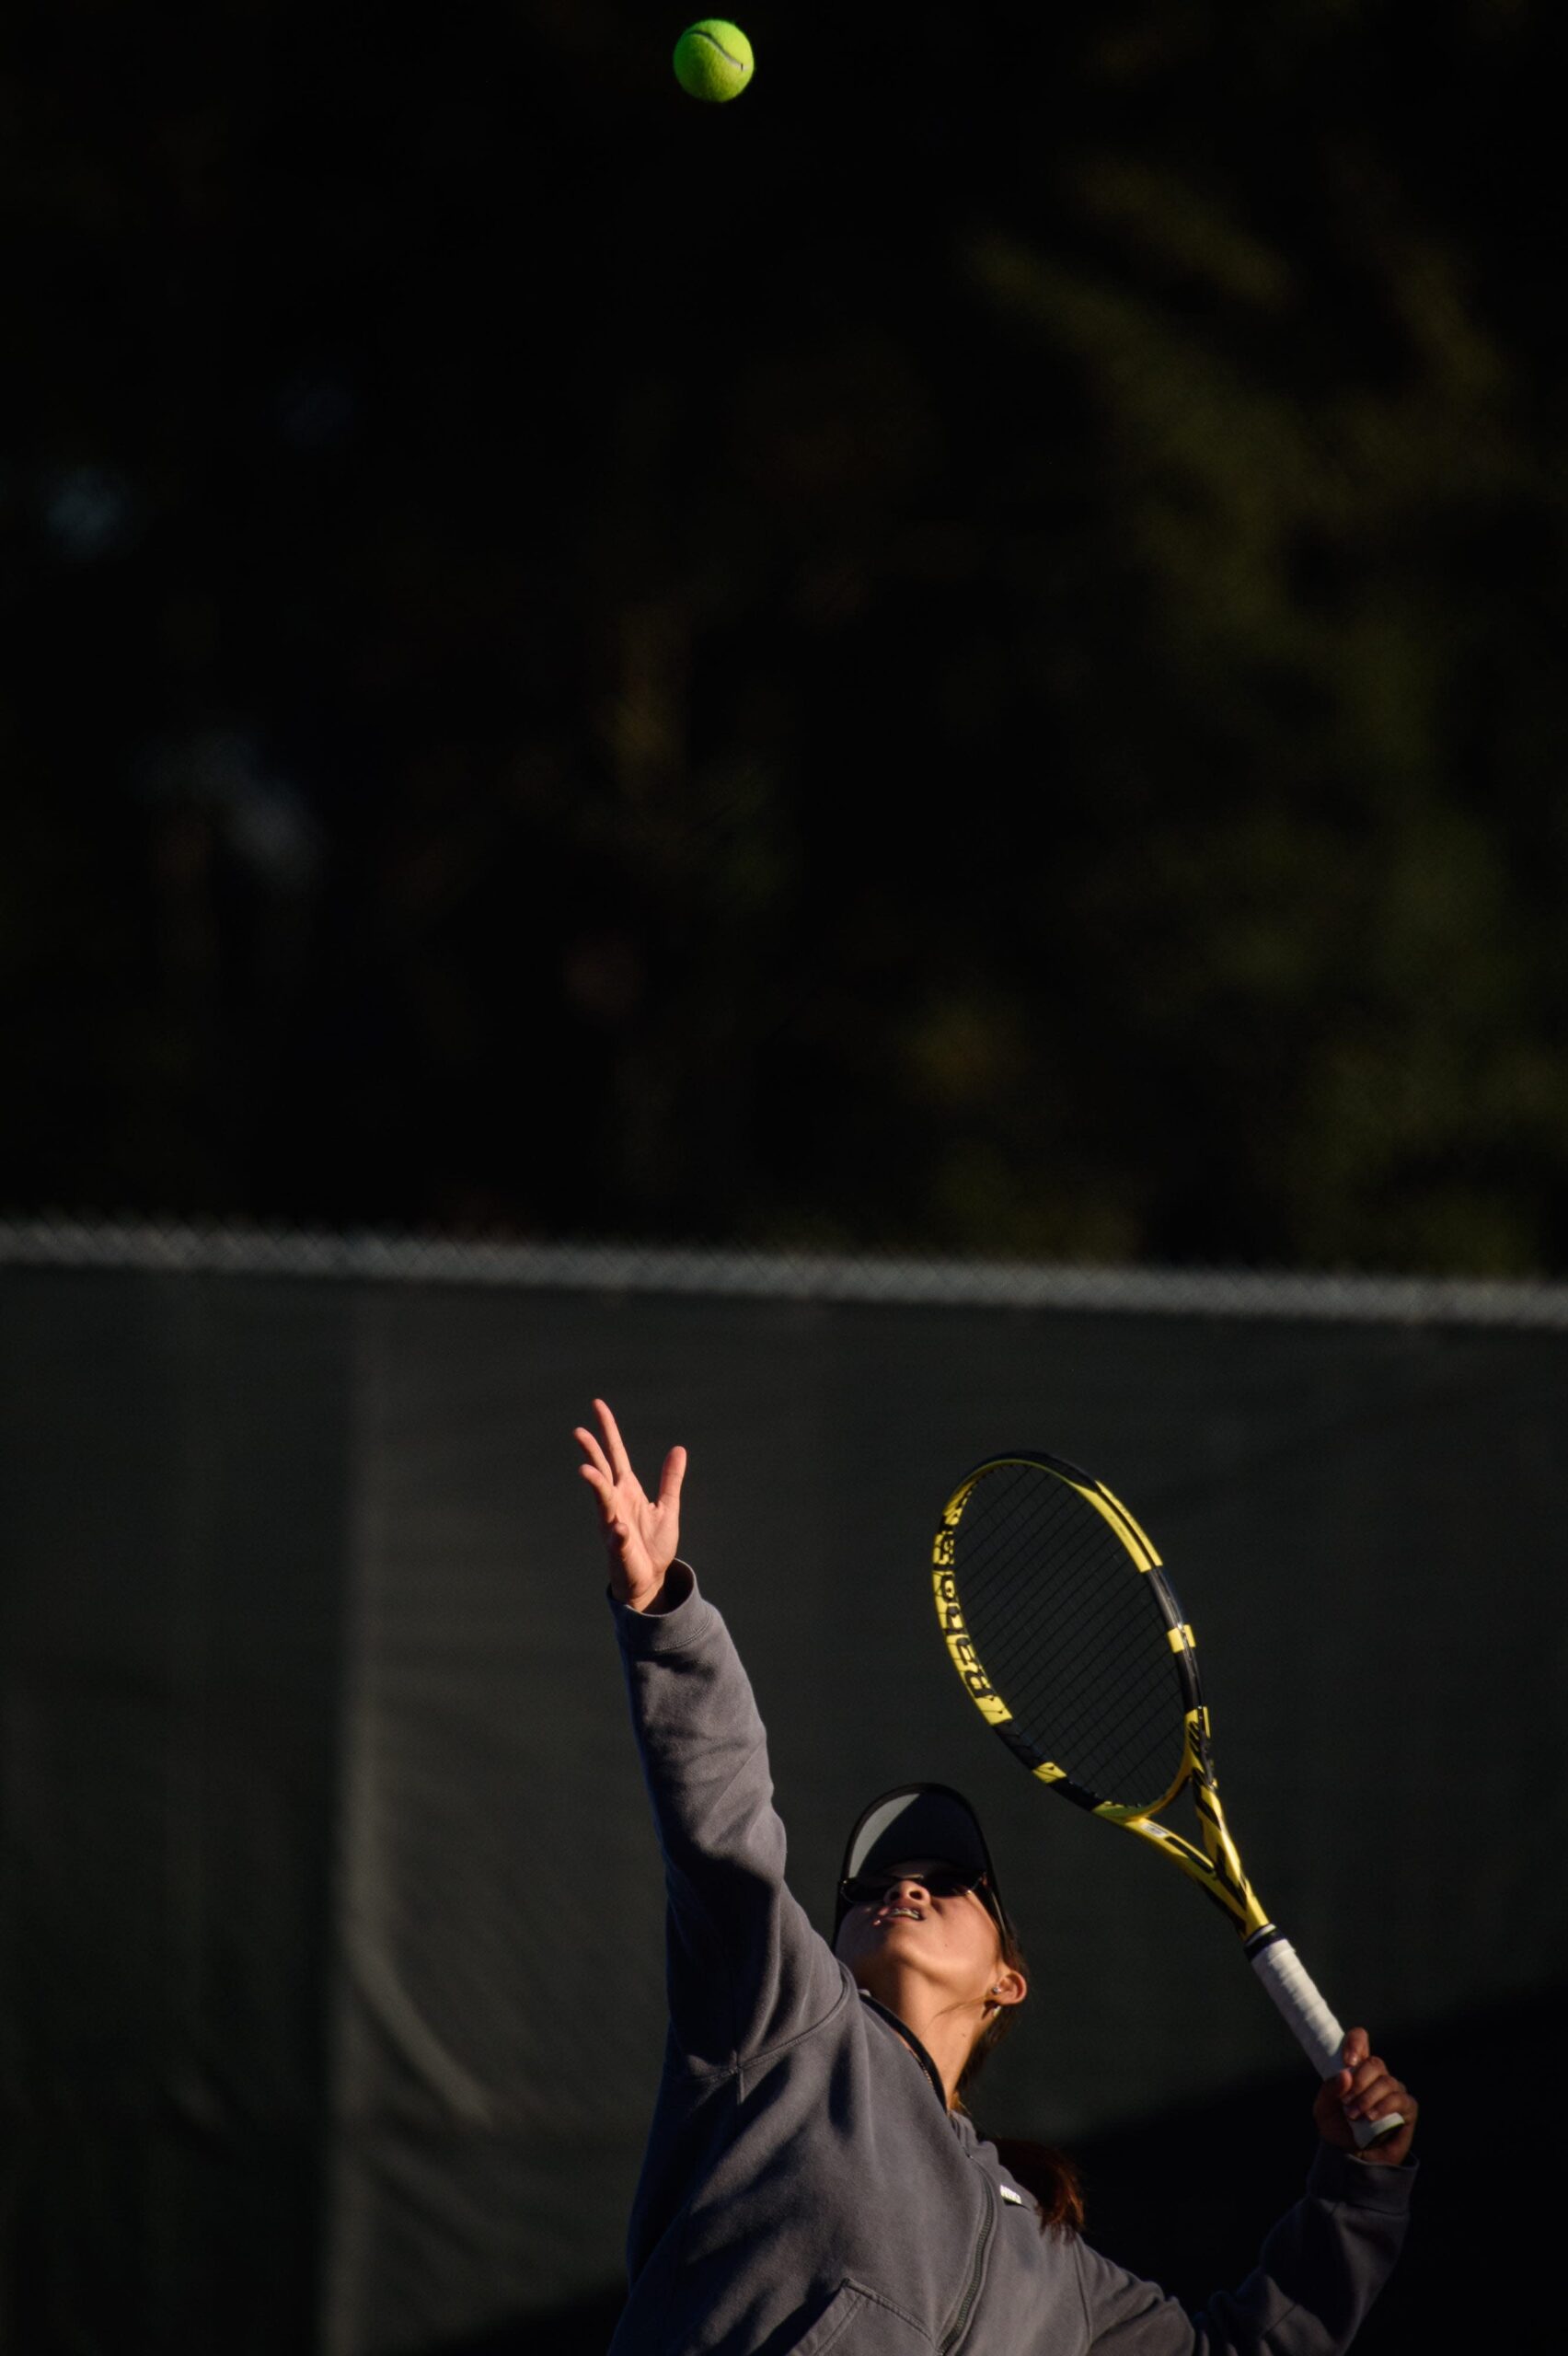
<point x="216" y="1248"/>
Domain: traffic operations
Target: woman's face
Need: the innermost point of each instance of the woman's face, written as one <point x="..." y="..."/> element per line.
<point x="951" y="1943"/>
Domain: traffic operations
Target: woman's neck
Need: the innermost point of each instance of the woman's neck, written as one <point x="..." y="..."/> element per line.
<point x="946" y="2030"/>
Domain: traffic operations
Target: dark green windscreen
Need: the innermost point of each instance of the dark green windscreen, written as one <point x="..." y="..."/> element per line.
<point x="330" y="1981"/>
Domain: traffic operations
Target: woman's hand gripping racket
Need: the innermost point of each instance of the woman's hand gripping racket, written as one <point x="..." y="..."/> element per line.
<point x="1066" y="1631"/>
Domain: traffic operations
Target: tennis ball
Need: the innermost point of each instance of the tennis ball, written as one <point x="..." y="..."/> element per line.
<point x="713" y="60"/>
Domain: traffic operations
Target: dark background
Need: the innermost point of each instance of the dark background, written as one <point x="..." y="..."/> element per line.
<point x="964" y="652"/>
<point x="962" y="657"/>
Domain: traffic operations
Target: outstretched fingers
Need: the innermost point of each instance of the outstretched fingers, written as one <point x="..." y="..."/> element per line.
<point x="670" y="1479"/>
<point x="640" y="1534"/>
<point x="620" y="1461"/>
<point x="599" y="1463"/>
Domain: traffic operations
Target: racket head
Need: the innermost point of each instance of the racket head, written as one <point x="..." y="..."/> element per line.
<point x="1064" y="1629"/>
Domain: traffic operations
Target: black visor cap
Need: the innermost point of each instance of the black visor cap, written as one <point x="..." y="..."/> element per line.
<point x="920" y="1821"/>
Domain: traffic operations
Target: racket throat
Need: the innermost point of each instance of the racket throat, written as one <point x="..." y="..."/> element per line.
<point x="1229" y="1885"/>
<point x="1216" y="1868"/>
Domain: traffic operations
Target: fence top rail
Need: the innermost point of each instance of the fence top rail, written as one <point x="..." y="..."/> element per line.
<point x="362" y="1256"/>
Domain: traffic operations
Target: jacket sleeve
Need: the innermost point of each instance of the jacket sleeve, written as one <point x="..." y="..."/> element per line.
<point x="1317" y="2275"/>
<point x="745" y="1969"/>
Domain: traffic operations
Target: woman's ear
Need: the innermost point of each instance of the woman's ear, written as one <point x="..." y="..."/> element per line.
<point x="1008" y="1986"/>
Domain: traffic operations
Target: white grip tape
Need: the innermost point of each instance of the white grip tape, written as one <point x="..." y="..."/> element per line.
<point x="1321" y="2037"/>
<point x="1290" y="1984"/>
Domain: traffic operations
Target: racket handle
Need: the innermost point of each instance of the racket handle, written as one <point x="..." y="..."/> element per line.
<point x="1320" y="2036"/>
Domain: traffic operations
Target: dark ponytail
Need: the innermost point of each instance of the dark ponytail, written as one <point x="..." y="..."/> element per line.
<point x="1050" y="2177"/>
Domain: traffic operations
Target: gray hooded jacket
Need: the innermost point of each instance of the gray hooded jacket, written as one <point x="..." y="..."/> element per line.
<point x="806" y="2187"/>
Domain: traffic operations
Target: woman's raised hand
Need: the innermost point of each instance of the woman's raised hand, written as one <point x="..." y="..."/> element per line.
<point x="640" y="1534"/>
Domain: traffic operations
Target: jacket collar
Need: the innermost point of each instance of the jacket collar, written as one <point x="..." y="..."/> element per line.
<point x="912" y="2041"/>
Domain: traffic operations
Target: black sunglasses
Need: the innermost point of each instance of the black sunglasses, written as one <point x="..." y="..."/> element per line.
<point x="942" y="1881"/>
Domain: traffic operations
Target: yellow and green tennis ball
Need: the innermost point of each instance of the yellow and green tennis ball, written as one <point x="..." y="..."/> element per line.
<point x="713" y="60"/>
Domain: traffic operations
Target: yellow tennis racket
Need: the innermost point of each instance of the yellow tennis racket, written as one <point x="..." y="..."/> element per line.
<point x="1070" y="1642"/>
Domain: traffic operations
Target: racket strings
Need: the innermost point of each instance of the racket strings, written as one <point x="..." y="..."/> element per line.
<point x="1045" y="1631"/>
<point x="1070" y="1633"/>
<point x="1092" y="1611"/>
<point x="1112" y="1730"/>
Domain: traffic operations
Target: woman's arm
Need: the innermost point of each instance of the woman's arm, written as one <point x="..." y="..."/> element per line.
<point x="747" y="1971"/>
<point x="1320" y="2270"/>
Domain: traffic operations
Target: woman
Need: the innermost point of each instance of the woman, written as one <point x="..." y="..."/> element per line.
<point x="810" y="2179"/>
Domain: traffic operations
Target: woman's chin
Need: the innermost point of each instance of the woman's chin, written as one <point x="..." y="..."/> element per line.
<point x="874" y="1941"/>
<point x="886" y="1963"/>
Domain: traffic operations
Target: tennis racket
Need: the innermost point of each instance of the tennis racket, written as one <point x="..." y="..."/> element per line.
<point x="1071" y="1645"/>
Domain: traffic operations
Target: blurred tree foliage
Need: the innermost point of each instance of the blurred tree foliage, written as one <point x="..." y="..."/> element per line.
<point x="967" y="653"/>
